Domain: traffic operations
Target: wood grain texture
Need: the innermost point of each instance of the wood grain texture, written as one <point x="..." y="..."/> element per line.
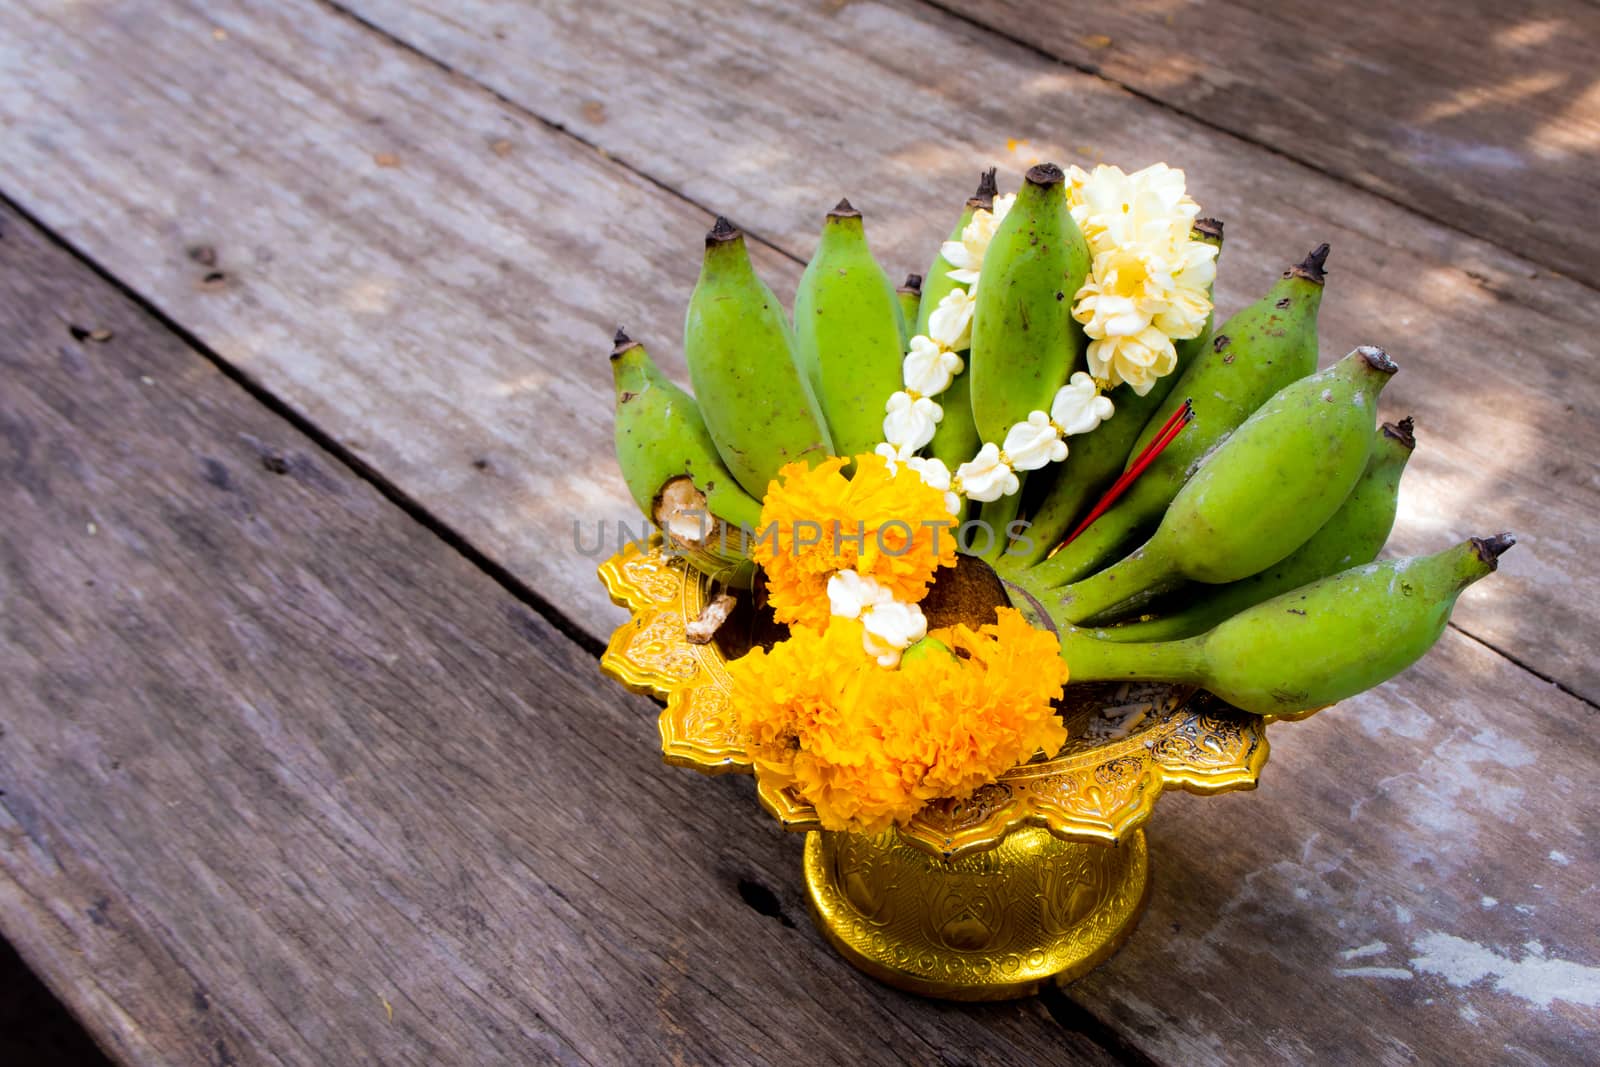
<point x="441" y="308"/>
<point x="429" y="276"/>
<point x="1415" y="881"/>
<point x="286" y="779"/>
<point x="1484" y="115"/>
<point x="372" y="296"/>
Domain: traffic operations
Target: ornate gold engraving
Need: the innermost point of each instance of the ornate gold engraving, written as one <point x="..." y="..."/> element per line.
<point x="989" y="925"/>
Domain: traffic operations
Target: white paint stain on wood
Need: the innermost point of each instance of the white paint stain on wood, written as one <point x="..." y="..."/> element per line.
<point x="1534" y="977"/>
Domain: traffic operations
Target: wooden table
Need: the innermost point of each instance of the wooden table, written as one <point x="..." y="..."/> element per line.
<point x="303" y="749"/>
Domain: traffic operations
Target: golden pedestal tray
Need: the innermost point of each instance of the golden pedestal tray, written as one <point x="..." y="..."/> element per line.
<point x="1040" y="875"/>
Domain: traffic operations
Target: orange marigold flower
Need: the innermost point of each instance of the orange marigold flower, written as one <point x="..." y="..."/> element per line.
<point x="892" y="527"/>
<point x="868" y="747"/>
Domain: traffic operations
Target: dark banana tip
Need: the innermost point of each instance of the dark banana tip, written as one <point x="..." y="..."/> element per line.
<point x="913" y="284"/>
<point x="1490" y="549"/>
<point x="1314" y="268"/>
<point x="1045" y="174"/>
<point x="621" y="343"/>
<point x="721" y="232"/>
<point x="1404" y="431"/>
<point x="988" y="189"/>
<point x="844" y="210"/>
<point x="1211" y="228"/>
<point x="1377" y="359"/>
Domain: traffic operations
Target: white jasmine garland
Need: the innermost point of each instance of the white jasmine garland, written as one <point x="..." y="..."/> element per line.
<point x="987" y="476"/>
<point x="950" y="324"/>
<point x="889" y="626"/>
<point x="929" y="367"/>
<point x="1079" y="407"/>
<point x="910" y="421"/>
<point x="934" y="473"/>
<point x="931" y="470"/>
<point x="1148" y="279"/>
<point x="889" y="629"/>
<point x="1033" y="444"/>
<point x="850" y="593"/>
<point x="1147" y="287"/>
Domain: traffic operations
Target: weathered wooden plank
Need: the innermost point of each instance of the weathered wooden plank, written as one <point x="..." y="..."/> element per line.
<point x="425" y="273"/>
<point x="1415" y="880"/>
<point x="286" y="779"/>
<point x="282" y="207"/>
<point x="1484" y="115"/>
<point x="511" y="267"/>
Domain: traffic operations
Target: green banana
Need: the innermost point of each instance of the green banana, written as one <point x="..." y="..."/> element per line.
<point x="956" y="439"/>
<point x="1098" y="457"/>
<point x="847" y="327"/>
<point x="1025" y="342"/>
<point x="1311" y="647"/>
<point x="756" y="402"/>
<point x="1353" y="536"/>
<point x="910" y="297"/>
<point x="1258" y="351"/>
<point x="671" y="465"/>
<point x="1264" y="492"/>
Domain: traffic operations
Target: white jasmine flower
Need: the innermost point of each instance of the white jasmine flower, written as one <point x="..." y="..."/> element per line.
<point x="934" y="473"/>
<point x="1079" y="407"/>
<point x="950" y="324"/>
<point x="1148" y="279"/>
<point x="986" y="477"/>
<point x="1138" y="360"/>
<point x="1183" y="314"/>
<point x="1115" y="210"/>
<point x="966" y="254"/>
<point x="1106" y="314"/>
<point x="894" y="456"/>
<point x="890" y="628"/>
<point x="849" y="594"/>
<point x="1033" y="444"/>
<point x="909" y="424"/>
<point x="929" y="367"/>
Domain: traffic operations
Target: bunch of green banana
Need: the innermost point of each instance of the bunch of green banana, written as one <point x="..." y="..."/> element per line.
<point x="1308" y="648"/>
<point x="849" y="333"/>
<point x="1262" y="494"/>
<point x="1096" y="458"/>
<point x="1259" y="519"/>
<point x="672" y="469"/>
<point x="758" y="405"/>
<point x="1258" y="351"/>
<point x="1353" y="536"/>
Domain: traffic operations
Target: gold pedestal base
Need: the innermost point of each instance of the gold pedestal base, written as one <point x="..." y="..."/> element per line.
<point x="988" y="925"/>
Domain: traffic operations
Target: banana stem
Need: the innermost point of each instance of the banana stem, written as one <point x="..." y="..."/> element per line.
<point x="1092" y="549"/>
<point x="1090" y="659"/>
<point x="1136" y="580"/>
<point x="997" y="515"/>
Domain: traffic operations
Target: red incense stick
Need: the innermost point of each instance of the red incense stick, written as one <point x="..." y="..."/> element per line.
<point x="1165" y="436"/>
